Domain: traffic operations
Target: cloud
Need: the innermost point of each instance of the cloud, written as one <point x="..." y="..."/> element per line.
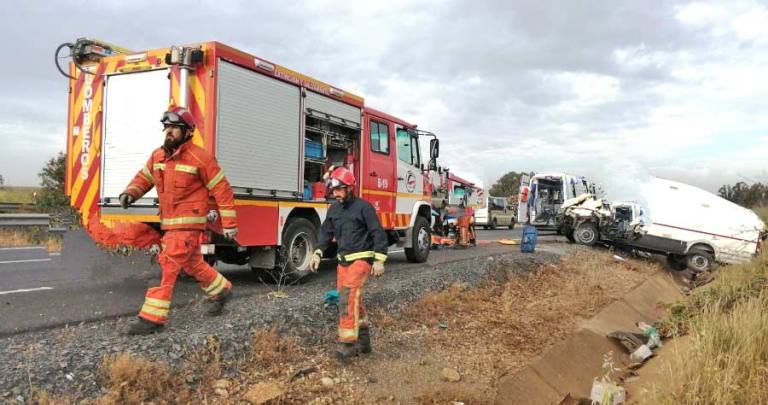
<point x="571" y="86"/>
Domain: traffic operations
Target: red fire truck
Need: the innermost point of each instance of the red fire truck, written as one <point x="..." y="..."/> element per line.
<point x="273" y="131"/>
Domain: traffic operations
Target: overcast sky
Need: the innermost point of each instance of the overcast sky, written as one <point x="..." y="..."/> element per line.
<point x="611" y="89"/>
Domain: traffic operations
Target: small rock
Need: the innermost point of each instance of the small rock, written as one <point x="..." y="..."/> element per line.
<point x="327" y="381"/>
<point x="263" y="392"/>
<point x="451" y="375"/>
<point x="222" y="384"/>
<point x="221" y="392"/>
<point x="176" y="347"/>
<point x="337" y="380"/>
<point x="20" y="399"/>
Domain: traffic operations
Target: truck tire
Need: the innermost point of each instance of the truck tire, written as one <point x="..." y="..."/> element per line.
<point x="299" y="243"/>
<point x="586" y="234"/>
<point x="421" y="241"/>
<point x="494" y="224"/>
<point x="700" y="260"/>
<point x="677" y="262"/>
<point x="512" y="224"/>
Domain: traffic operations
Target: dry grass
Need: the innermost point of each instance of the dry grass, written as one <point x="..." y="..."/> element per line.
<point x="17" y="194"/>
<point x="52" y="243"/>
<point x="727" y="357"/>
<point x="270" y="352"/>
<point x="762" y="212"/>
<point x="131" y="380"/>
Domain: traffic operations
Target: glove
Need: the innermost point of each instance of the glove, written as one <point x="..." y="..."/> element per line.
<point x="314" y="263"/>
<point x="212" y="216"/>
<point x="126" y="200"/>
<point x="230" y="233"/>
<point x="377" y="269"/>
<point x="154" y="249"/>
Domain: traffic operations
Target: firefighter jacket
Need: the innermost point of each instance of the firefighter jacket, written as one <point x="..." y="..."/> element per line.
<point x="357" y="230"/>
<point x="184" y="182"/>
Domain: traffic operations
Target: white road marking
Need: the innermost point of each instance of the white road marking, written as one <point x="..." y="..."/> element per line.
<point x="23" y="248"/>
<point x="26" y="290"/>
<point x="26" y="261"/>
<point x="397" y="251"/>
<point x="54" y="254"/>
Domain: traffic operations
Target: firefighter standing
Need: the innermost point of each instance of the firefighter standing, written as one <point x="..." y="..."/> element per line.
<point x="362" y="251"/>
<point x="185" y="175"/>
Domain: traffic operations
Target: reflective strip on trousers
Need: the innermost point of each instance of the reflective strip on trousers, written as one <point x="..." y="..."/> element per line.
<point x="183" y="220"/>
<point x="216" y="286"/>
<point x="186" y="169"/>
<point x="216" y="179"/>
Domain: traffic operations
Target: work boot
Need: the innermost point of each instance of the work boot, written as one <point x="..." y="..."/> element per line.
<point x="364" y="340"/>
<point x="216" y="304"/>
<point x="345" y="352"/>
<point x="143" y="327"/>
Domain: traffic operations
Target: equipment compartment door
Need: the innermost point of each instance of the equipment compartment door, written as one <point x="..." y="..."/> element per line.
<point x="258" y="132"/>
<point x="133" y="105"/>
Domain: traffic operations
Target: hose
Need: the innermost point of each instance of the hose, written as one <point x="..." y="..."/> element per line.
<point x="56" y="58"/>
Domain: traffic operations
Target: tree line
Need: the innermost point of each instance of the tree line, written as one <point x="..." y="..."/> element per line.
<point x="746" y="195"/>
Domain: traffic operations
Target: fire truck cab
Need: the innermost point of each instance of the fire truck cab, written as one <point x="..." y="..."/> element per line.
<point x="274" y="132"/>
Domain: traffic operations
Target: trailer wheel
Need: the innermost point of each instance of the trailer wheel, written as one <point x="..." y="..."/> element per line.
<point x="677" y="262"/>
<point x="585" y="234"/>
<point x="299" y="242"/>
<point x="421" y="239"/>
<point x="700" y="260"/>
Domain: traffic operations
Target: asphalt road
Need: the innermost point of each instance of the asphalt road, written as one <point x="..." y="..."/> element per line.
<point x="84" y="283"/>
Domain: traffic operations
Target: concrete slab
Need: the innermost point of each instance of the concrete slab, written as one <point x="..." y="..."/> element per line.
<point x="616" y="316"/>
<point x="525" y="388"/>
<point x="572" y="365"/>
<point x="645" y="300"/>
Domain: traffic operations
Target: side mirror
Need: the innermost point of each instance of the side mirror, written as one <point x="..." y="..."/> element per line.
<point x="434" y="148"/>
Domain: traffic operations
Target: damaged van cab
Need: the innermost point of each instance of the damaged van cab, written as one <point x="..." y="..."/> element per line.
<point x="694" y="228"/>
<point x="542" y="194"/>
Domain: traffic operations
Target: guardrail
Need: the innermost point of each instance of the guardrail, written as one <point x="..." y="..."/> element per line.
<point x="24" y="220"/>
<point x="6" y="207"/>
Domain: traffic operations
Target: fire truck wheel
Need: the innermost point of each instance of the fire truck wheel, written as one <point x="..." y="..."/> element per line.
<point x="421" y="240"/>
<point x="299" y="241"/>
<point x="585" y="233"/>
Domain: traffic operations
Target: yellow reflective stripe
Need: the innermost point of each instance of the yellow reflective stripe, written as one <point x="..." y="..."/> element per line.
<point x="360" y="255"/>
<point x="157" y="303"/>
<point x="380" y="257"/>
<point x="183" y="220"/>
<point x="186" y="169"/>
<point x="147" y="174"/>
<point x="215" y="180"/>
<point x="319" y="252"/>
<point x="160" y="166"/>
<point x="228" y="213"/>
<point x="216" y="286"/>
<point x="148" y="309"/>
<point x="347" y="333"/>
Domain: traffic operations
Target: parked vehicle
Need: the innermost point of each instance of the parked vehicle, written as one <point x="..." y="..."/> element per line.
<point x="274" y="132"/>
<point x="495" y="212"/>
<point x="692" y="227"/>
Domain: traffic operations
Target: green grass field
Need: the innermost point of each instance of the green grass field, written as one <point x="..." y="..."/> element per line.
<point x="17" y="194"/>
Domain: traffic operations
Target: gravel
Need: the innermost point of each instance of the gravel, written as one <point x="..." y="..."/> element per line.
<point x="67" y="360"/>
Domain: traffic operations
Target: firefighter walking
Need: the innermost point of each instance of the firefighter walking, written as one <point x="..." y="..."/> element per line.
<point x="362" y="251"/>
<point x="185" y="176"/>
